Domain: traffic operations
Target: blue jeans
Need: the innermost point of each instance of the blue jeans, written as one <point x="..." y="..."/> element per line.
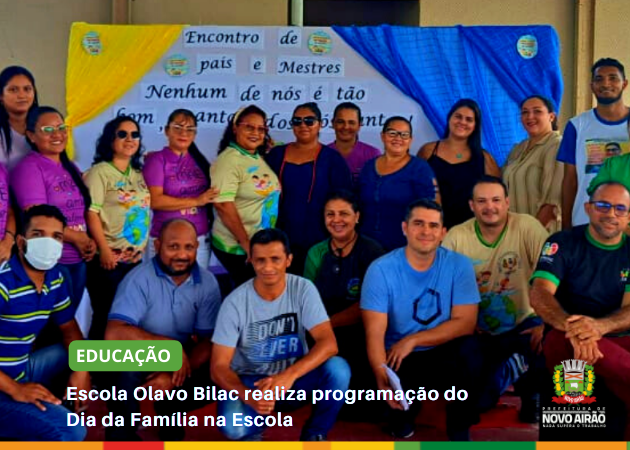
<point x="77" y="278"/>
<point x="26" y="422"/>
<point x="334" y="374"/>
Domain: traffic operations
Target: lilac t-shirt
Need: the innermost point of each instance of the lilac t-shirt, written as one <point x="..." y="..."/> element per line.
<point x="38" y="180"/>
<point x="4" y="199"/>
<point x="356" y="159"/>
<point x="180" y="177"/>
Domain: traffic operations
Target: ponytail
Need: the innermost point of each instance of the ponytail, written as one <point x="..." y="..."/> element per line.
<point x="78" y="180"/>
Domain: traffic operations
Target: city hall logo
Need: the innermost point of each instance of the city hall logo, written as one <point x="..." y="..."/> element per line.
<point x="573" y="381"/>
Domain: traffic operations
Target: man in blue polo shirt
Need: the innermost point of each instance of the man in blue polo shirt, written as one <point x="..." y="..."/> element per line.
<point x="32" y="290"/>
<point x="171" y="298"/>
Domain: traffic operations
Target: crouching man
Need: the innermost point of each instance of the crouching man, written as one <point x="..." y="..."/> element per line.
<point x="260" y="344"/>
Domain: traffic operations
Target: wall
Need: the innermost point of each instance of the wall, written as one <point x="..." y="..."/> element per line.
<point x="205" y="12"/>
<point x="34" y="34"/>
<point x="558" y="13"/>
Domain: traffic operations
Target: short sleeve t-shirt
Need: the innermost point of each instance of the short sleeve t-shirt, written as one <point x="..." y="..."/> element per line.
<point x="268" y="336"/>
<point x="358" y="156"/>
<point x="180" y="177"/>
<point x="149" y="299"/>
<point x="122" y="202"/>
<point x="19" y="149"/>
<point x="339" y="280"/>
<point x="248" y="181"/>
<point x="38" y="180"/>
<point x="503" y="268"/>
<point x="591" y="278"/>
<point x="4" y="199"/>
<point x="416" y="301"/>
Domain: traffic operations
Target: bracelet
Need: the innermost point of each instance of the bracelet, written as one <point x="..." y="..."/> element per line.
<point x="11" y="233"/>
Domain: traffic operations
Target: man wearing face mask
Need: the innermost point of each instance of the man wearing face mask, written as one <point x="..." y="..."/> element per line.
<point x="172" y="298"/>
<point x="33" y="290"/>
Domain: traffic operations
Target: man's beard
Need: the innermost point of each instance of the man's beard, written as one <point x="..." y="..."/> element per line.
<point x="174" y="273"/>
<point x="608" y="100"/>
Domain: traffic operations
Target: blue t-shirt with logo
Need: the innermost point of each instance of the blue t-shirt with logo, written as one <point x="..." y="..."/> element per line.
<point x="416" y="301"/>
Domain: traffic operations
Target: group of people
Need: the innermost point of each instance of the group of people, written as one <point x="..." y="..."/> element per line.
<point x="424" y="261"/>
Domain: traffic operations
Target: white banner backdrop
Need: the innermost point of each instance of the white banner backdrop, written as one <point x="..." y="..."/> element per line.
<point x="215" y="70"/>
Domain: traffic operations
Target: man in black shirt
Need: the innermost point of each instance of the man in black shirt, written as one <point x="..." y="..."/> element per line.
<point x="581" y="290"/>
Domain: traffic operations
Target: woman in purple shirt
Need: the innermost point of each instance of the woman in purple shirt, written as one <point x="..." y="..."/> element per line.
<point x="178" y="178"/>
<point x="46" y="176"/>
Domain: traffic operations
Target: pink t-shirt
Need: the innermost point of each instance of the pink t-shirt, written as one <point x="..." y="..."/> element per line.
<point x="38" y="180"/>
<point x="180" y="177"/>
<point x="356" y="159"/>
<point x="4" y="199"/>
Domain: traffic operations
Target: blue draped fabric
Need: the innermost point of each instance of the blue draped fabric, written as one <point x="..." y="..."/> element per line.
<point x="439" y="65"/>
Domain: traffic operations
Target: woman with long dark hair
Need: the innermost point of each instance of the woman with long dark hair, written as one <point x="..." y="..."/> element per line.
<point x="308" y="172"/>
<point x="47" y="176"/>
<point x="531" y="172"/>
<point x="458" y="160"/>
<point x="178" y="177"/>
<point x="18" y="96"/>
<point x="118" y="218"/>
<point x="249" y="191"/>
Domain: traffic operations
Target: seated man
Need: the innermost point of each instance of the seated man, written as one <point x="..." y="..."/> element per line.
<point x="169" y="298"/>
<point x="32" y="290"/>
<point x="504" y="249"/>
<point x="581" y="290"/>
<point x="419" y="307"/>
<point x="260" y="343"/>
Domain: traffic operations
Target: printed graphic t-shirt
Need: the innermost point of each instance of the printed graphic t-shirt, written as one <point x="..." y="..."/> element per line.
<point x="180" y="177"/>
<point x="248" y="181"/>
<point x="502" y="268"/>
<point x="591" y="278"/>
<point x="38" y="180"/>
<point x="415" y="301"/>
<point x="122" y="202"/>
<point x="268" y="336"/>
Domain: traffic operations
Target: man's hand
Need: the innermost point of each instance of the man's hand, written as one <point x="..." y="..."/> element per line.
<point x="584" y="328"/>
<point x="34" y="393"/>
<point x="398" y="352"/>
<point x="82" y="381"/>
<point x="586" y="350"/>
<point x="536" y="336"/>
<point x="382" y="381"/>
<point x="160" y="381"/>
<point x="262" y="406"/>
<point x="184" y="372"/>
<point x="282" y="379"/>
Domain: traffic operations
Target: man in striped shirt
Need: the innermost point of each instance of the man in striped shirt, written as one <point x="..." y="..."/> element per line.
<point x="32" y="290"/>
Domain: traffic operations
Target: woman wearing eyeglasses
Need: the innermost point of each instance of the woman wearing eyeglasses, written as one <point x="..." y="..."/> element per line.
<point x="46" y="176"/>
<point x="178" y="177"/>
<point x="308" y="172"/>
<point x="249" y="191"/>
<point x="337" y="266"/>
<point x="458" y="160"/>
<point x="118" y="218"/>
<point x="389" y="183"/>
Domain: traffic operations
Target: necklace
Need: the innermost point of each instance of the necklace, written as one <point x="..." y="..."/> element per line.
<point x="459" y="155"/>
<point x="339" y="250"/>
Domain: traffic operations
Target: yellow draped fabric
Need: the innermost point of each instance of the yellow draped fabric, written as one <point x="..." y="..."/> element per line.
<point x="95" y="82"/>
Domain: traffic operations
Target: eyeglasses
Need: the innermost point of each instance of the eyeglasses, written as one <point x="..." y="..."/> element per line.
<point x="49" y="129"/>
<point x="122" y="134"/>
<point x="183" y="130"/>
<point x="404" y="135"/>
<point x="253" y="128"/>
<point x="604" y="207"/>
<point x="309" y="121"/>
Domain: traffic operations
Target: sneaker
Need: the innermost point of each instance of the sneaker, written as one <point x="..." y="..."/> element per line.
<point x="530" y="409"/>
<point x="401" y="430"/>
<point x="313" y="438"/>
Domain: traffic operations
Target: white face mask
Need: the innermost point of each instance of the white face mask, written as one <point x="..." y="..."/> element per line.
<point x="43" y="253"/>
